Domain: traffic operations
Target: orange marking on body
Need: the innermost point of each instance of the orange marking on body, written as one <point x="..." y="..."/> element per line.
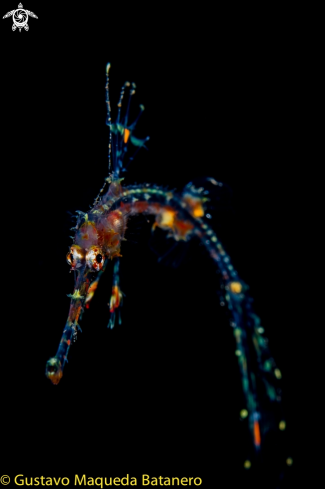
<point x="68" y="342"/>
<point x="194" y="205"/>
<point x="109" y="238"/>
<point x="168" y="208"/>
<point x="78" y="311"/>
<point x="257" y="434"/>
<point x="115" y="240"/>
<point x="166" y="217"/>
<point x="116" y="298"/>
<point x="126" y="135"/>
<point x="184" y="225"/>
<point x="198" y="211"/>
<point x="183" y="228"/>
<point x="141" y="206"/>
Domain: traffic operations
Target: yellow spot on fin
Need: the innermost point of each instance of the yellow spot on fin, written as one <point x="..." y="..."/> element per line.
<point x="243" y="413"/>
<point x="76" y="295"/>
<point x="235" y="287"/>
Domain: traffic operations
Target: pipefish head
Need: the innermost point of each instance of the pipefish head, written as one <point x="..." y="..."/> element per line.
<point x="88" y="265"/>
<point x="97" y="239"/>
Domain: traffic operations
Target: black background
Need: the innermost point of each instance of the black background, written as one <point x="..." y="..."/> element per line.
<point x="159" y="394"/>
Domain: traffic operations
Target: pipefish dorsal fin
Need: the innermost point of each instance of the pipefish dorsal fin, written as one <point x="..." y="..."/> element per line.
<point x="123" y="144"/>
<point x="122" y="137"/>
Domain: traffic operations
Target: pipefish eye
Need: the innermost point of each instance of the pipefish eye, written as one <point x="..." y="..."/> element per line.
<point x="95" y="258"/>
<point x="75" y="256"/>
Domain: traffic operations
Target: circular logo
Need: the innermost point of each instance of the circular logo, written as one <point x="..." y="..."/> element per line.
<point x="4" y="480"/>
<point x="20" y="18"/>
